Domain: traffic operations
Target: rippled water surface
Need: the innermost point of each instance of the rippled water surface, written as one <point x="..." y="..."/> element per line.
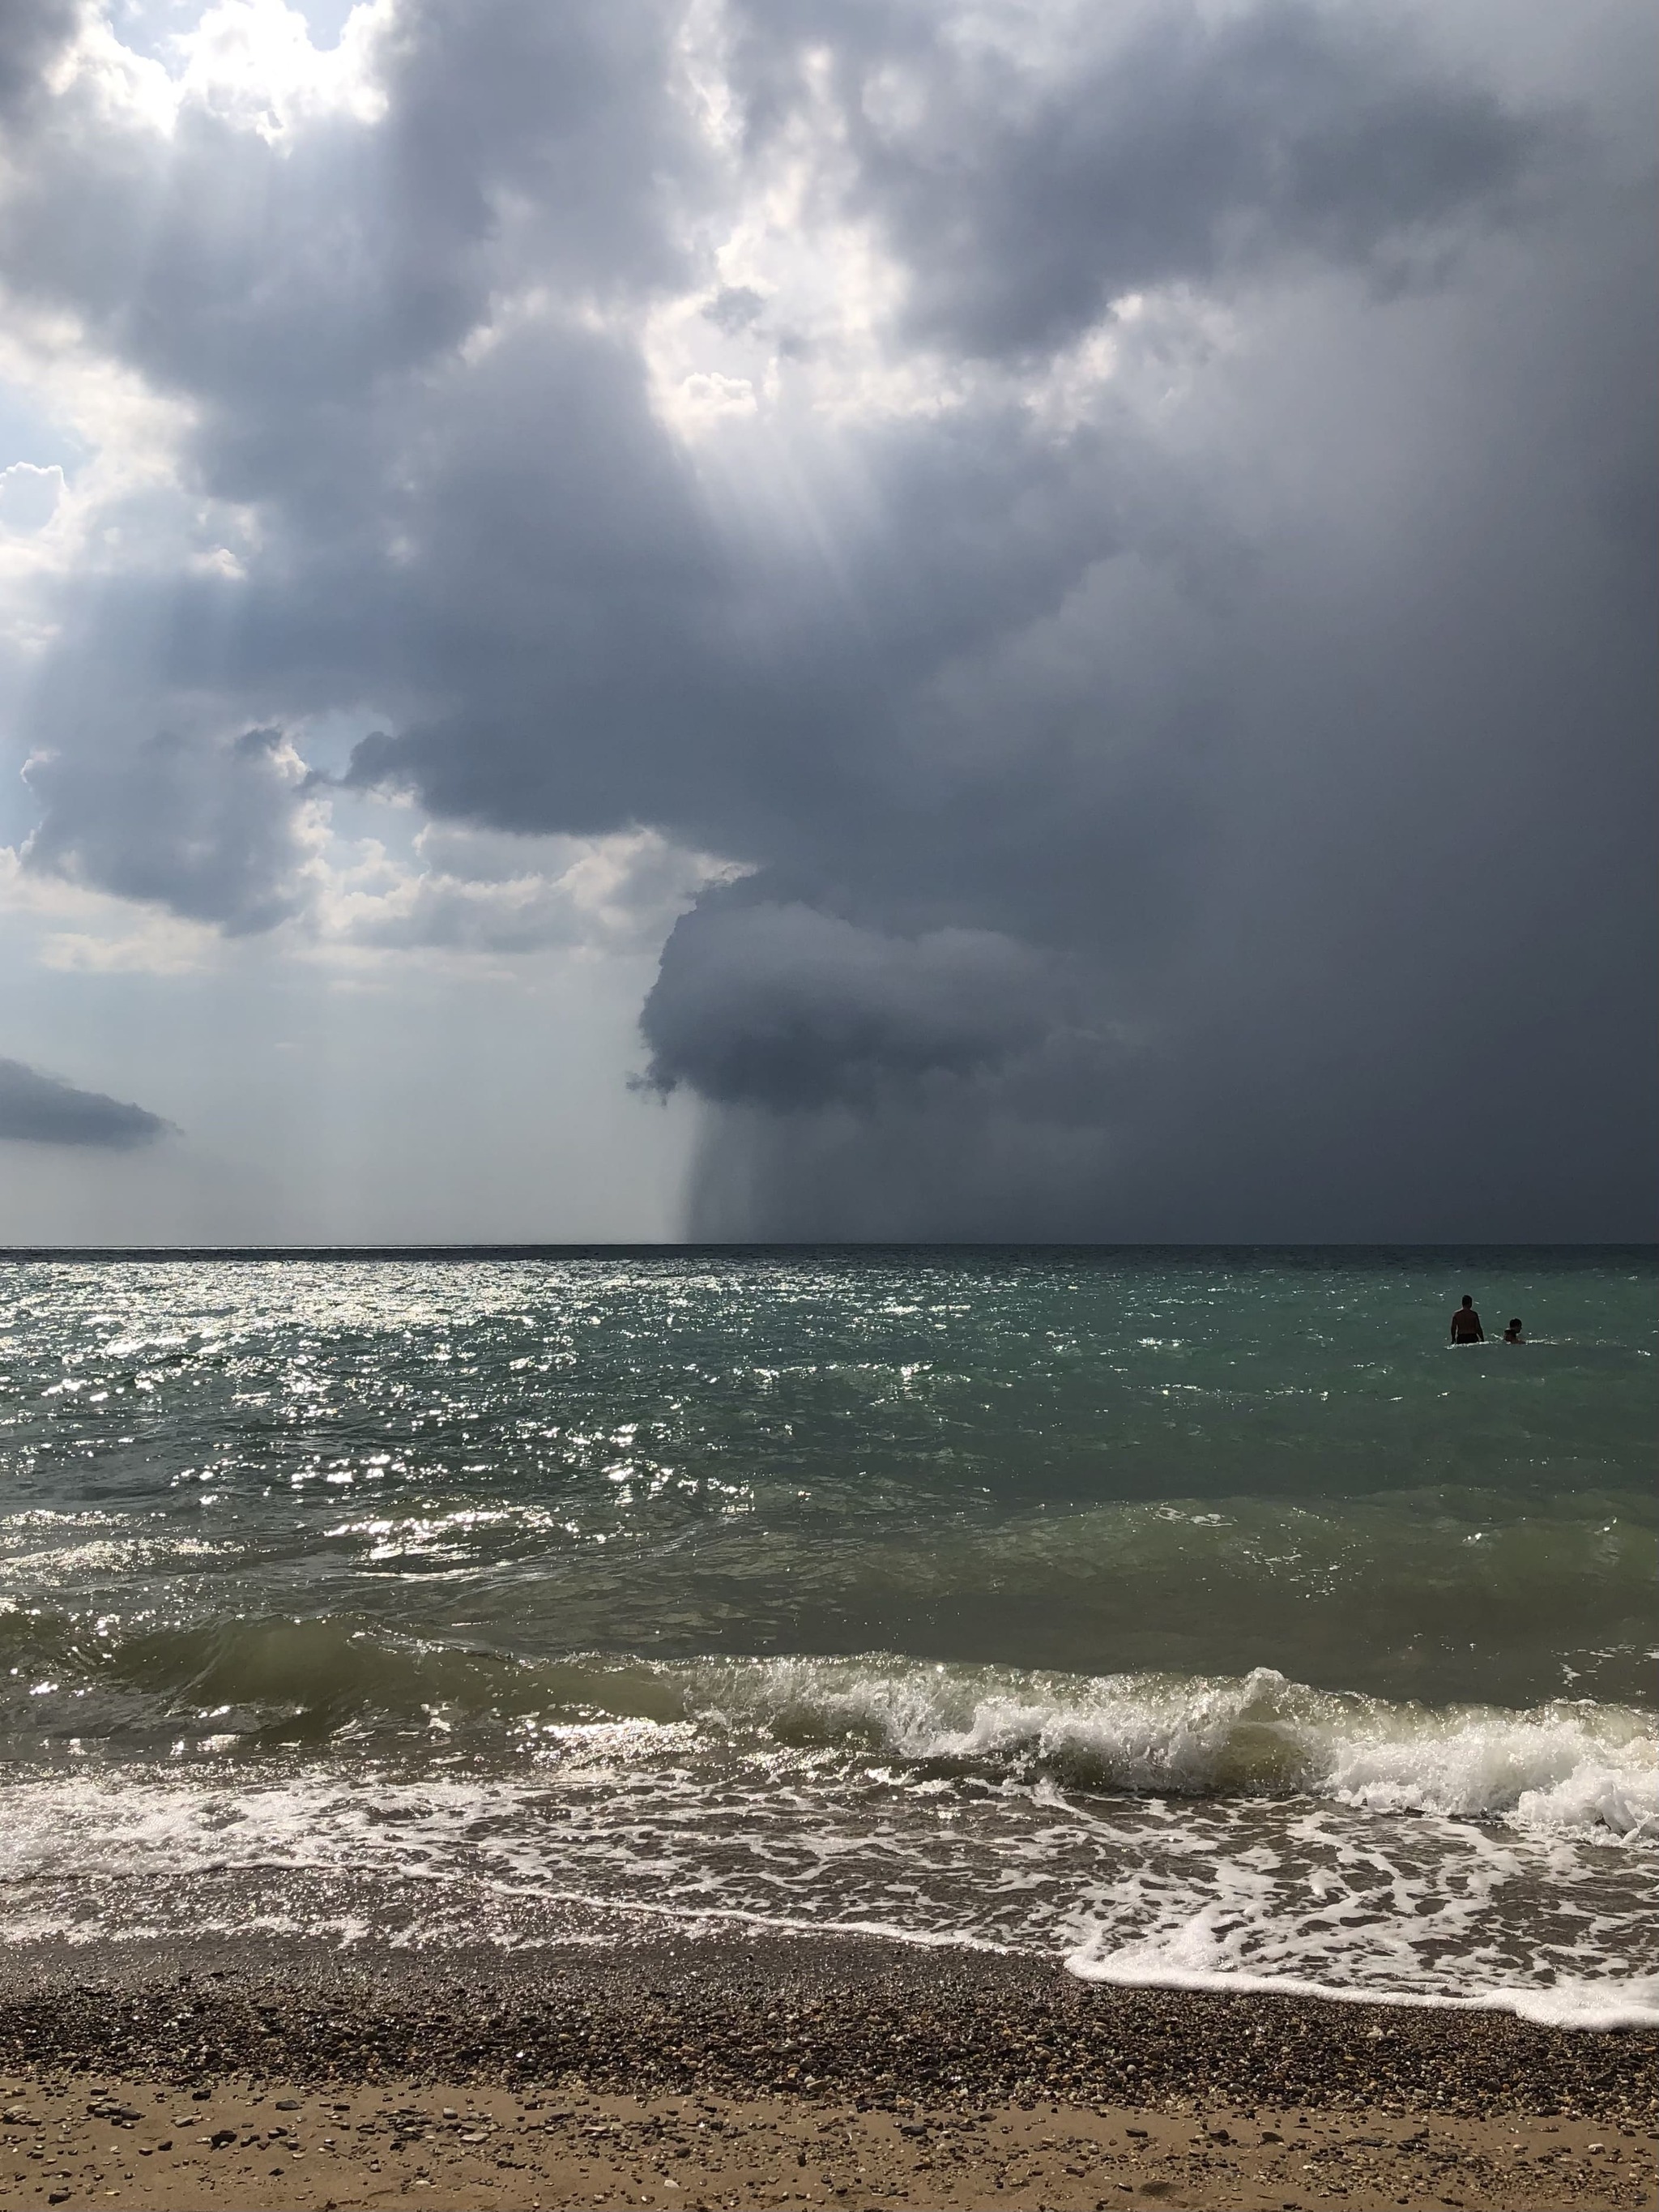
<point x="1178" y="1614"/>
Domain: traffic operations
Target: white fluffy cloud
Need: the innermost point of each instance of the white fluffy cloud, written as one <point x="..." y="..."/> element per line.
<point x="477" y="891"/>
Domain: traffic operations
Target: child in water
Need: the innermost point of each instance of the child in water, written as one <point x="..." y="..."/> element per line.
<point x="1512" y="1334"/>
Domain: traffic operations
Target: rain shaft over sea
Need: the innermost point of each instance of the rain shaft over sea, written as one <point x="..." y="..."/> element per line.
<point x="1181" y="1616"/>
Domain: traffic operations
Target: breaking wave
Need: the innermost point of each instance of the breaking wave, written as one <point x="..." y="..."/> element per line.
<point x="1570" y="1767"/>
<point x="270" y="1778"/>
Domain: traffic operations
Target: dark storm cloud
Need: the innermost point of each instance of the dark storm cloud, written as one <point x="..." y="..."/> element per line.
<point x="42" y="1109"/>
<point x="784" y="1006"/>
<point x="1169" y="147"/>
<point x="1217" y="805"/>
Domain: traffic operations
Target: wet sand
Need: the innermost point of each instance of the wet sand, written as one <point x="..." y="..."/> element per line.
<point x="827" y="2073"/>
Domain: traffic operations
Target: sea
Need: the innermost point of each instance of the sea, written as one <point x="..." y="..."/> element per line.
<point x="1189" y="1617"/>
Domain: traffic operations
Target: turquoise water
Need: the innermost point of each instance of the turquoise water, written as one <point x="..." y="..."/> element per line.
<point x="955" y="1593"/>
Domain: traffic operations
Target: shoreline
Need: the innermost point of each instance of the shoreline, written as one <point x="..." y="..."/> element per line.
<point x="827" y="2071"/>
<point x="814" y="2015"/>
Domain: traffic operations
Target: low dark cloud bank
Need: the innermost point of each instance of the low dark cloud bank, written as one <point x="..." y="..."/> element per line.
<point x="44" y="1109"/>
<point x="1200" y="787"/>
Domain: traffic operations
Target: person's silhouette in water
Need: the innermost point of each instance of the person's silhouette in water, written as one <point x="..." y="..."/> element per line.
<point x="1466" y="1325"/>
<point x="1513" y="1334"/>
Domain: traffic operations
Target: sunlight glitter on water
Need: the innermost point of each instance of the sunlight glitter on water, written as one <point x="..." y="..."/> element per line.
<point x="1173" y="1615"/>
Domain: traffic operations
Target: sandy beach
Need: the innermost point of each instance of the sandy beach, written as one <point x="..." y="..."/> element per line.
<point x="280" y="2145"/>
<point x="723" y="2073"/>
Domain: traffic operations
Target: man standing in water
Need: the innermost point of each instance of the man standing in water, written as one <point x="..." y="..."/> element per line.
<point x="1466" y="1325"/>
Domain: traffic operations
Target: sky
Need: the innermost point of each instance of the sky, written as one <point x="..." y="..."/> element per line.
<point x="891" y="619"/>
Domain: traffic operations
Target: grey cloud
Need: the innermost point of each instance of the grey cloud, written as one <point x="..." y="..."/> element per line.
<point x="307" y="301"/>
<point x="511" y="550"/>
<point x="32" y="34"/>
<point x="611" y="659"/>
<point x="202" y="826"/>
<point x="734" y="307"/>
<point x="275" y="283"/>
<point x="44" y="1109"/>
<point x="560" y="578"/>
<point x="1174" y="145"/>
<point x="783" y="1006"/>
<point x="1384" y="792"/>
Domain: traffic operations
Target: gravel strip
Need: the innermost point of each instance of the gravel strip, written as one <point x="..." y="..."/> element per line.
<point x="849" y="2021"/>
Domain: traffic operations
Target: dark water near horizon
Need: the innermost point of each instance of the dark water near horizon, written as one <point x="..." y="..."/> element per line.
<point x="1183" y="1614"/>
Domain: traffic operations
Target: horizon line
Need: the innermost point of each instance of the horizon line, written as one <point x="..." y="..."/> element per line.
<point x="493" y="1248"/>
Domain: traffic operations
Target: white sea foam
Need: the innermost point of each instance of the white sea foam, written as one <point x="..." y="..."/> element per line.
<point x="1568" y="1766"/>
<point x="597" y="1827"/>
<point x="1632" y="2001"/>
